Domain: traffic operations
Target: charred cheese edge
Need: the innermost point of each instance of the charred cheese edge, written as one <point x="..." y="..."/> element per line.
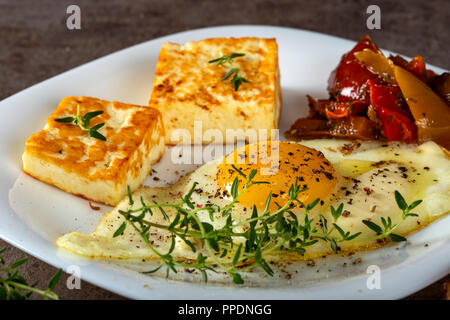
<point x="187" y="88"/>
<point x="66" y="157"/>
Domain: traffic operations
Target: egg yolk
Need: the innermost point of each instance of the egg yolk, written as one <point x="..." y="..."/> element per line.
<point x="279" y="163"/>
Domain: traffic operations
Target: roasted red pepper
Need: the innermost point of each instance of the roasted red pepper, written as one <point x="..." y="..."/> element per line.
<point x="388" y="96"/>
<point x="417" y="67"/>
<point x="348" y="80"/>
<point x="337" y="110"/>
<point x="340" y="111"/>
<point x="396" y="127"/>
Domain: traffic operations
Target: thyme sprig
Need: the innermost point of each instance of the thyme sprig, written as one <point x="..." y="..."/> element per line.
<point x="13" y="286"/>
<point x="226" y="58"/>
<point x="238" y="246"/>
<point x="237" y="79"/>
<point x="387" y="229"/>
<point x="83" y="121"/>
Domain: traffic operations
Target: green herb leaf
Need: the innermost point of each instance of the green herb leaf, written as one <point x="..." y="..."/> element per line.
<point x="65" y="120"/>
<point x="269" y="198"/>
<point x="334" y="245"/>
<point x="401" y="203"/>
<point x="339" y="229"/>
<point x="97" y="135"/>
<point x="229" y="73"/>
<point x="311" y="206"/>
<point x="130" y="196"/>
<point x="96" y="127"/>
<point x="154" y="270"/>
<point x="412" y="214"/>
<point x="252" y="175"/>
<point x="215" y="60"/>
<point x="396" y="238"/>
<point x="235" y="55"/>
<point x="234" y="188"/>
<point x="373" y="226"/>
<point x="54" y="280"/>
<point x="353" y="236"/>
<point x="237" y="255"/>
<point x="336" y="213"/>
<point x="120" y="230"/>
<point x="92" y="114"/>
<point x="324" y="223"/>
<point x="239" y="171"/>
<point x="237" y="278"/>
<point x="19" y="263"/>
<point x="414" y="204"/>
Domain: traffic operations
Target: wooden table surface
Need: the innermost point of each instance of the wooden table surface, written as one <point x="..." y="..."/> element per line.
<point x="37" y="45"/>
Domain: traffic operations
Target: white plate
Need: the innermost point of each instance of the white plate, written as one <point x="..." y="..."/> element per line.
<point x="33" y="214"/>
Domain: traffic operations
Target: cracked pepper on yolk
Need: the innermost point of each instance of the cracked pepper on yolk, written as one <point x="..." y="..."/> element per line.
<point x="278" y="163"/>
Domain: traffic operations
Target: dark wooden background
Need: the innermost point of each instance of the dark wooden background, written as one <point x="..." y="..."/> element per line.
<point x="36" y="45"/>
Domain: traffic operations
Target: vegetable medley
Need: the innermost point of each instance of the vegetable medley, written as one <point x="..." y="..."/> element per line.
<point x="375" y="97"/>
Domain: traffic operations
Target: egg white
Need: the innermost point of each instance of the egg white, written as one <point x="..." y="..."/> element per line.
<point x="367" y="179"/>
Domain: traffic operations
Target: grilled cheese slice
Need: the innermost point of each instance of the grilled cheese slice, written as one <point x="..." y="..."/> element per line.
<point x="187" y="88"/>
<point x="65" y="156"/>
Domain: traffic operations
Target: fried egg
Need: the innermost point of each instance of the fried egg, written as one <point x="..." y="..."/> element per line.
<point x="363" y="176"/>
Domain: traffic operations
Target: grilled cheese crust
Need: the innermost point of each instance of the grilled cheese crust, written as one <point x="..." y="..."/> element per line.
<point x="67" y="157"/>
<point x="188" y="88"/>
